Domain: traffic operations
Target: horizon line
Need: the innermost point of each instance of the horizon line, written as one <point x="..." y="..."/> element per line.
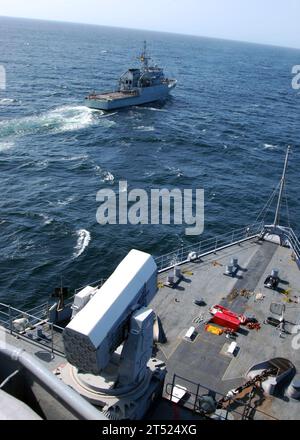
<point x="151" y="30"/>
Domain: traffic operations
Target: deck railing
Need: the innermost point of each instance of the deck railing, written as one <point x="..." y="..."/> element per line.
<point x="39" y="311"/>
<point x="208" y="246"/>
<point x="234" y="409"/>
<point x="293" y="242"/>
<point x="37" y="328"/>
<point x="98" y="284"/>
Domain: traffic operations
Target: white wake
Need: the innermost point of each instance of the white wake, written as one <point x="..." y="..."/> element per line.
<point x="83" y="240"/>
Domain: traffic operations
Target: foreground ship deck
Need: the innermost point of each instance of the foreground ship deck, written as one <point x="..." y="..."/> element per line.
<point x="204" y="363"/>
<point x="203" y="366"/>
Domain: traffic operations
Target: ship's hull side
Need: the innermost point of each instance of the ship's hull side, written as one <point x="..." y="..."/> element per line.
<point x="145" y="96"/>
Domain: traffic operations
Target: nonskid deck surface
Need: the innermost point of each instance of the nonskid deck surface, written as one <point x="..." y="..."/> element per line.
<point x="50" y="360"/>
<point x="205" y="362"/>
<point x="112" y="96"/>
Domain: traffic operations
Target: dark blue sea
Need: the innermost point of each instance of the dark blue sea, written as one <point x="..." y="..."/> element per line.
<point x="225" y="129"/>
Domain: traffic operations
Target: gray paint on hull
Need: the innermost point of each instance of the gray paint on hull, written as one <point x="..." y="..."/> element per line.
<point x="147" y="95"/>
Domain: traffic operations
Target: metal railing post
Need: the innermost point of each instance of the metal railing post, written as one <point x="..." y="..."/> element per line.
<point x="196" y="398"/>
<point x="52" y="341"/>
<point x="173" y="384"/>
<point x="10" y="321"/>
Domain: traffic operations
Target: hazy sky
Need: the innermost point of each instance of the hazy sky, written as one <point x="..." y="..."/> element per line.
<point x="262" y="21"/>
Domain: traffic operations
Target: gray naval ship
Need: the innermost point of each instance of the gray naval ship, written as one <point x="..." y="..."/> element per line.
<point x="136" y="87"/>
<point x="210" y="331"/>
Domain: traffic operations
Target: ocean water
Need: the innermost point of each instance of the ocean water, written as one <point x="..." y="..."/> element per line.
<point x="225" y="129"/>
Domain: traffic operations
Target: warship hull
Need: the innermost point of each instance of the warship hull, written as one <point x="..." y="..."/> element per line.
<point x="122" y="99"/>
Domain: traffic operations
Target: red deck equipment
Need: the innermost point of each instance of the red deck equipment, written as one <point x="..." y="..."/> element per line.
<point x="226" y="320"/>
<point x="225" y="317"/>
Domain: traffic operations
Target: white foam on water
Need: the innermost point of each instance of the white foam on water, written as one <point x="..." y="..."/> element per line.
<point x="4" y="146"/>
<point x="70" y="118"/>
<point x="61" y="119"/>
<point x="270" y="146"/>
<point x="42" y="164"/>
<point x="153" y="109"/>
<point x="66" y="201"/>
<point x="107" y="123"/>
<point x="174" y="170"/>
<point x="73" y="158"/>
<point x="7" y="101"/>
<point x="144" y="128"/>
<point x="149" y="173"/>
<point x="107" y="115"/>
<point x="83" y="240"/>
<point x="46" y="219"/>
<point x="108" y="176"/>
<point x="126" y="144"/>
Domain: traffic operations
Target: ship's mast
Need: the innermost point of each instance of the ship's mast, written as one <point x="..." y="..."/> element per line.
<point x="144" y="58"/>
<point x="282" y="183"/>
